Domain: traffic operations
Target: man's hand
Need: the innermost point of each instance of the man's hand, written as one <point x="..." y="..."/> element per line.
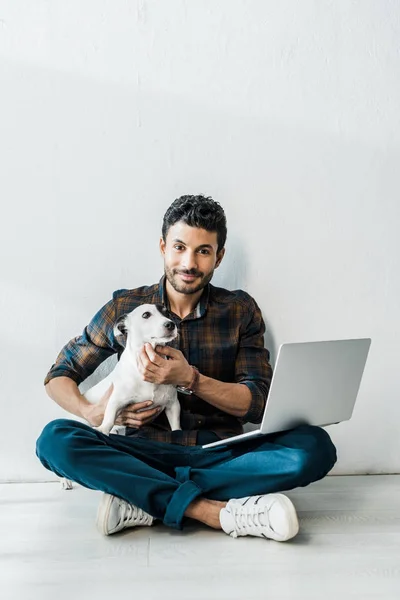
<point x="94" y="413"/>
<point x="133" y="415"/>
<point x="137" y="415"/>
<point x="154" y="368"/>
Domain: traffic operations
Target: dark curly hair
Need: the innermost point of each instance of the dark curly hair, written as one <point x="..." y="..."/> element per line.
<point x="197" y="211"/>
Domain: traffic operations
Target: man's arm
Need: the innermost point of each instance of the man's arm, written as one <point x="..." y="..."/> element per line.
<point x="83" y="354"/>
<point x="78" y="359"/>
<point x="246" y="397"/>
<point x="65" y="393"/>
<point x="233" y="398"/>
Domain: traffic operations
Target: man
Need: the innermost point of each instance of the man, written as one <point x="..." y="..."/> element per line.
<point x="153" y="473"/>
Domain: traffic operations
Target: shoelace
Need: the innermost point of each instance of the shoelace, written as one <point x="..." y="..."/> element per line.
<point x="249" y="519"/>
<point x="131" y="514"/>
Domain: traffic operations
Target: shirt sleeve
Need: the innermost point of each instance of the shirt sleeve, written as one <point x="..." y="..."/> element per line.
<point x="252" y="363"/>
<point x="83" y="354"/>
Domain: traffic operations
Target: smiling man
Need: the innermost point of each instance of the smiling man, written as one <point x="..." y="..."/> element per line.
<point x="222" y="372"/>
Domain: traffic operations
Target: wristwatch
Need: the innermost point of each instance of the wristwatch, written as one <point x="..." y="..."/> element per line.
<point x="193" y="384"/>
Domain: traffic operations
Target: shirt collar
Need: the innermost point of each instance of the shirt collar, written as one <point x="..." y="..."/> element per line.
<point x="201" y="307"/>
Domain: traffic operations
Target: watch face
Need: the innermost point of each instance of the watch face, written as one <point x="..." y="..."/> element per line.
<point x="184" y="390"/>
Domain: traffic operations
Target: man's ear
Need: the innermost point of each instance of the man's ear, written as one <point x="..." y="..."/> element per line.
<point x="220" y="256"/>
<point x="120" y="326"/>
<point x="162" y="246"/>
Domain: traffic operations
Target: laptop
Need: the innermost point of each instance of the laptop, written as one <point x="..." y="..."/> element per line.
<point x="314" y="383"/>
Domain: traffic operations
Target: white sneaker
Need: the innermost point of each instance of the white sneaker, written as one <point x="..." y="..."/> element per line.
<point x="115" y="514"/>
<point x="271" y="516"/>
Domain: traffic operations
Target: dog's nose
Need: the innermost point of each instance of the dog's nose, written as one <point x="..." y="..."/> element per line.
<point x="169" y="325"/>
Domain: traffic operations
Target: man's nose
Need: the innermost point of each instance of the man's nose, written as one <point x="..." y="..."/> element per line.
<point x="189" y="261"/>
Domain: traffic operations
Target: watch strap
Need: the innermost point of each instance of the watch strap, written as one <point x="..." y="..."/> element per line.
<point x="191" y="388"/>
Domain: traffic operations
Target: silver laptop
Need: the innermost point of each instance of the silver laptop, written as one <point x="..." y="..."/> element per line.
<point x="314" y="383"/>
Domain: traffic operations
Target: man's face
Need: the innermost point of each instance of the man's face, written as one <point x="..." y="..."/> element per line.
<point x="190" y="257"/>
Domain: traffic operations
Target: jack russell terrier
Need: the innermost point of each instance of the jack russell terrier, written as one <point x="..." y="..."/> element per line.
<point x="146" y="323"/>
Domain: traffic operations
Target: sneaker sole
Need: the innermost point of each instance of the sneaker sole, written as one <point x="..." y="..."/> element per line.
<point x="292" y="518"/>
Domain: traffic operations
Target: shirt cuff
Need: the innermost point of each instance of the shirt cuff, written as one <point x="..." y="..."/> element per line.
<point x="257" y="406"/>
<point x="60" y="372"/>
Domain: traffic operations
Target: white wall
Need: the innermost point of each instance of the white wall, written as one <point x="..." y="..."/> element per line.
<point x="286" y="112"/>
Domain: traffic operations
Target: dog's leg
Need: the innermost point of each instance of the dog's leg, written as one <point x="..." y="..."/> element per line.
<point x="113" y="406"/>
<point x="119" y="429"/>
<point x="173" y="412"/>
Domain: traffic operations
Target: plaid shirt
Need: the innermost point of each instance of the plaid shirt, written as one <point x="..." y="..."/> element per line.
<point x="223" y="337"/>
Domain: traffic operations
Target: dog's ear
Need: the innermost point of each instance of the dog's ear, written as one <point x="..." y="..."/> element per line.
<point x="120" y="326"/>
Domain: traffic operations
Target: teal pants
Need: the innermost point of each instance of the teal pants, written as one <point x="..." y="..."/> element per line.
<point x="163" y="479"/>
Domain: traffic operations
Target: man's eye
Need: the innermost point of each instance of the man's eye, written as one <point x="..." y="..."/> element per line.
<point x="177" y="247"/>
<point x="146" y="315"/>
<point x="204" y="251"/>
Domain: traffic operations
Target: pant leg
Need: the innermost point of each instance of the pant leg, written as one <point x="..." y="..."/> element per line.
<point x="139" y="471"/>
<point x="164" y="479"/>
<point x="272" y="463"/>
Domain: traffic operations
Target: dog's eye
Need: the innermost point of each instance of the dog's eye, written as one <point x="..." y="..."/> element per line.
<point x="146" y="315"/>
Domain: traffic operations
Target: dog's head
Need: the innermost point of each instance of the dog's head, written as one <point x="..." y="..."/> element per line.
<point x="147" y="323"/>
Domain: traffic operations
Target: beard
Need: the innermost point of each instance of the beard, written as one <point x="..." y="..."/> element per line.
<point x="187" y="288"/>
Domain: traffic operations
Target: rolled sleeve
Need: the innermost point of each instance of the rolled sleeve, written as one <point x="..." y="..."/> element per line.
<point x="257" y="406"/>
<point x="252" y="364"/>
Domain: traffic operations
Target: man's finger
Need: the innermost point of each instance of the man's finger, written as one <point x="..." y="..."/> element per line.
<point x="144" y="364"/>
<point x="132" y="423"/>
<point x="143" y="416"/>
<point x="135" y="406"/>
<point x="134" y="420"/>
<point x="153" y="356"/>
<point x="133" y="414"/>
<point x="168" y="351"/>
<point x="140" y="416"/>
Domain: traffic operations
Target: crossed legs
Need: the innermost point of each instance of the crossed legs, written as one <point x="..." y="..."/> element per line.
<point x="171" y="482"/>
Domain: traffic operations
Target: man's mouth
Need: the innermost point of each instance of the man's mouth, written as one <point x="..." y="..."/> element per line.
<point x="188" y="277"/>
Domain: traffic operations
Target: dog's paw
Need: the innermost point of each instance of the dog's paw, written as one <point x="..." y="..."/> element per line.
<point x="66" y="484"/>
<point x="119" y="430"/>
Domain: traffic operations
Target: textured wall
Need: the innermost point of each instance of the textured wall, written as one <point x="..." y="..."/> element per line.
<point x="286" y="112"/>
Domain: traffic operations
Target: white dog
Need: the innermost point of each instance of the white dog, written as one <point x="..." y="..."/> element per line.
<point x="147" y="323"/>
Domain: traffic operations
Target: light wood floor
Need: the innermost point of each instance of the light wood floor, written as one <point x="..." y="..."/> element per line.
<point x="348" y="547"/>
